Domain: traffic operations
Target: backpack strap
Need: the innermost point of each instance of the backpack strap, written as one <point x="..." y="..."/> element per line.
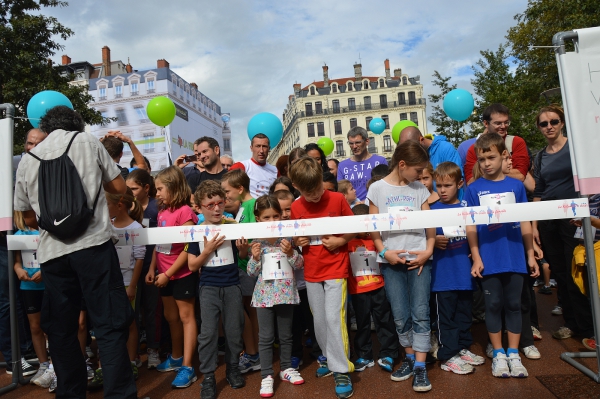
<point x="71" y="142"/>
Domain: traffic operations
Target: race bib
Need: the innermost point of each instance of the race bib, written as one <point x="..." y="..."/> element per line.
<point x="164" y="249"/>
<point x="579" y="233"/>
<point x="275" y="266"/>
<point x="124" y="254"/>
<point x="315" y="240"/>
<point x="497" y="199"/>
<point x="222" y="256"/>
<point x="29" y="259"/>
<point x="364" y="263"/>
<point x="454" y="231"/>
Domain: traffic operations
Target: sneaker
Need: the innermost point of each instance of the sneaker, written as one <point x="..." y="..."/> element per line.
<point x="153" y="358"/>
<point x="221" y="346"/>
<point x="557" y="311"/>
<point x="138" y="361"/>
<point x="553" y="283"/>
<point x="531" y="352"/>
<point x="170" y="364"/>
<point x="266" y="387"/>
<point x="373" y="326"/>
<point x="31" y="356"/>
<point x="45" y="379"/>
<point x="589" y="343"/>
<point x="500" y="366"/>
<point x="186" y="376"/>
<point x="143" y="337"/>
<point x="386" y="363"/>
<point x="537" y="335"/>
<point x="27" y="368"/>
<point x="209" y="388"/>
<point x="420" y="380"/>
<point x="353" y="326"/>
<point x="563" y="333"/>
<point x="361" y="364"/>
<point x="292" y="376"/>
<point x="249" y="363"/>
<point x="235" y="378"/>
<point x="38" y="374"/>
<point x="404" y="371"/>
<point x="457" y="366"/>
<point x="470" y="358"/>
<point x="89" y="352"/>
<point x="489" y="351"/>
<point x="516" y="367"/>
<point x="545" y="290"/>
<point x="97" y="383"/>
<point x="538" y="282"/>
<point x="296" y="362"/>
<point x="90" y="371"/>
<point x="135" y="371"/>
<point x="322" y="360"/>
<point x="323" y="370"/>
<point x="343" y="385"/>
<point x="53" y="383"/>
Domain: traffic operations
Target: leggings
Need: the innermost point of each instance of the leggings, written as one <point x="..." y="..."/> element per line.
<point x="503" y="292"/>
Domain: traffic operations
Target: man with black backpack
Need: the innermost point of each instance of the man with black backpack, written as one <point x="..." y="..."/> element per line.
<point x="60" y="187"/>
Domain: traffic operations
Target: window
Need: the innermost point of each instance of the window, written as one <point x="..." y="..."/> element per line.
<point x="372" y="147"/>
<point x="226" y="144"/>
<point x="311" y="129"/>
<point x="351" y="104"/>
<point x="119" y="91"/>
<point x="414" y="118"/>
<point x="121" y="117"/>
<point x="102" y="93"/>
<point x="337" y="125"/>
<point x="383" y="101"/>
<point x="320" y="129"/>
<point x="349" y="86"/>
<point x="386" y="119"/>
<point x="368" y="119"/>
<point x="401" y="98"/>
<point x="367" y="102"/>
<point x="404" y="81"/>
<point x="319" y="107"/>
<point x="308" y="108"/>
<point x="339" y="148"/>
<point x="387" y="143"/>
<point x="353" y="122"/>
<point x="336" y="106"/>
<point x="312" y="90"/>
<point x="334" y="88"/>
<point x="403" y="116"/>
<point x="150" y="84"/>
<point x="148" y="147"/>
<point x="381" y="83"/>
<point x="133" y="86"/>
<point x="141" y="114"/>
<point x="412" y="99"/>
<point x="366" y="84"/>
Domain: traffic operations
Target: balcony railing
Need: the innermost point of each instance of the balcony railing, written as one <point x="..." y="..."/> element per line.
<point x="151" y="90"/>
<point x="387" y="149"/>
<point x="118" y="95"/>
<point x="101" y="98"/>
<point x="340" y="153"/>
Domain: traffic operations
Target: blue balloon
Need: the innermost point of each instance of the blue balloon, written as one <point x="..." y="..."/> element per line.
<point x="267" y="124"/>
<point x="377" y="125"/>
<point x="42" y="102"/>
<point x="458" y="104"/>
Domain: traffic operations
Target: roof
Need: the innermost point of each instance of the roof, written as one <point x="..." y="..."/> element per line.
<point x="320" y="84"/>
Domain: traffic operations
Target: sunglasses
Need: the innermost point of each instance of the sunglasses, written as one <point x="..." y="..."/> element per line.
<point x="553" y="122"/>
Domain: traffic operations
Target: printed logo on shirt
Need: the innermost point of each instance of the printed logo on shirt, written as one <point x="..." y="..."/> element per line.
<point x="400" y="200"/>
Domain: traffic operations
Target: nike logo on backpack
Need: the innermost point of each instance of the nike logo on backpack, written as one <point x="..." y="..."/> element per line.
<point x="59" y="222"/>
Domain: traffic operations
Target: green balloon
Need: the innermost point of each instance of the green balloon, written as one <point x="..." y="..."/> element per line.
<point x="161" y="111"/>
<point x="398" y="127"/>
<point x="326" y="144"/>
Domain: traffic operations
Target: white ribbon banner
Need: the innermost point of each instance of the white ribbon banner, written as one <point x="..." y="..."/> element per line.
<point x="542" y="210"/>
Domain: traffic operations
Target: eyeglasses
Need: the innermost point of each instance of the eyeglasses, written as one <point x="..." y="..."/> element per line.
<point x="498" y="124"/>
<point x="553" y="122"/>
<point x="352" y="144"/>
<point x="212" y="205"/>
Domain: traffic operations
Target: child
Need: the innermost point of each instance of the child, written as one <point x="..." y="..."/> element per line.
<point x="451" y="282"/>
<point x="177" y="283"/>
<point x="345" y="187"/>
<point x="236" y="184"/>
<point x="326" y="271"/>
<point x="330" y="182"/>
<point x="427" y="180"/>
<point x="368" y="299"/>
<point x="404" y="258"/>
<point x="274" y="296"/>
<point x="498" y="253"/>
<point x="219" y="292"/>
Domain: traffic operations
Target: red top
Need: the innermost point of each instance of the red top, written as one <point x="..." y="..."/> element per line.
<point x="319" y="263"/>
<point x="520" y="158"/>
<point x="361" y="284"/>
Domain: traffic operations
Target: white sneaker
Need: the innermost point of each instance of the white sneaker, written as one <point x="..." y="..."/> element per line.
<point x="45" y="379"/>
<point x="469" y="357"/>
<point x="90" y="371"/>
<point x="89" y="352"/>
<point x="557" y="311"/>
<point x="531" y="352"/>
<point x="153" y="358"/>
<point x="516" y="367"/>
<point x="292" y="376"/>
<point x="457" y="366"/>
<point x="266" y="387"/>
<point x="489" y="351"/>
<point x="500" y="366"/>
<point x="37" y="375"/>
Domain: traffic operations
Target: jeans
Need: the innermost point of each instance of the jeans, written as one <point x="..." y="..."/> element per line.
<point x="408" y="294"/>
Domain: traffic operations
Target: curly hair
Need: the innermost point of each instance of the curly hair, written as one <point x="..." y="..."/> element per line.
<point x="61" y="117"/>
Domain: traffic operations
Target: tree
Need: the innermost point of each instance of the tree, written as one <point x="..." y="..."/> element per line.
<point x="27" y="42"/>
<point x="454" y="131"/>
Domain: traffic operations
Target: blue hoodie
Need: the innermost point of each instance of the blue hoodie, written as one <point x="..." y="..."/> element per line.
<point x="441" y="150"/>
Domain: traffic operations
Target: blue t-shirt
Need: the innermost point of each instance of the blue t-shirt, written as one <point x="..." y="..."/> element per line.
<point x="451" y="267"/>
<point x="221" y="276"/>
<point x="201" y="217"/>
<point x="31" y="268"/>
<point x="500" y="245"/>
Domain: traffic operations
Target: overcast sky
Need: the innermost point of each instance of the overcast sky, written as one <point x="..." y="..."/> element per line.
<point x="246" y="55"/>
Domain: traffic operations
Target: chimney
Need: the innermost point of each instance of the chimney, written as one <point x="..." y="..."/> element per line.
<point x="194" y="85"/>
<point x="387" y="69"/>
<point x="290" y="97"/>
<point x="297" y="87"/>
<point x="106" y="60"/>
<point x="397" y="72"/>
<point x="66" y="60"/>
<point x="357" y="72"/>
<point x="162" y="63"/>
<point x="325" y="76"/>
<point x="128" y="67"/>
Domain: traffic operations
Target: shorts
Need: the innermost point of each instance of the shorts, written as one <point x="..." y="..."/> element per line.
<point x="247" y="283"/>
<point x="182" y="288"/>
<point x="32" y="299"/>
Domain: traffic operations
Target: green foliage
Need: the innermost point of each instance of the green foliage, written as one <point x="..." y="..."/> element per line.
<point x="26" y="43"/>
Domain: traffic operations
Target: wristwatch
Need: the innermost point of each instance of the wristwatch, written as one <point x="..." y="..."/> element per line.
<point x="382" y="253"/>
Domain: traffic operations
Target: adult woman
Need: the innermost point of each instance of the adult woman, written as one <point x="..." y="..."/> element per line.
<point x="315" y="152"/>
<point x="554" y="181"/>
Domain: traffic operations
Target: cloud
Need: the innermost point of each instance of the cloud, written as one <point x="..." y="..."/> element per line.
<point x="246" y="55"/>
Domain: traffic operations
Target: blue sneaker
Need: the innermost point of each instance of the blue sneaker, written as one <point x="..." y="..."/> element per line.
<point x="386" y="363"/>
<point x="249" y="363"/>
<point x="185" y="377"/>
<point x="170" y="364"/>
<point x="343" y="385"/>
<point x="420" y="381"/>
<point x="405" y="370"/>
<point x="296" y="362"/>
<point x="323" y="370"/>
<point x="361" y="364"/>
<point x="322" y="360"/>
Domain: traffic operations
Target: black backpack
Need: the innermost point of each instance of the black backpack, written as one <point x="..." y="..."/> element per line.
<point x="63" y="204"/>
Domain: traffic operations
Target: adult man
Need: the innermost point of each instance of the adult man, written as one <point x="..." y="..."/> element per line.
<point x="208" y="152"/>
<point x="439" y="149"/>
<point x="113" y="142"/>
<point x="190" y="168"/>
<point x="496" y="119"/>
<point x="85" y="267"/>
<point x="226" y="161"/>
<point x="261" y="174"/>
<point x="358" y="167"/>
<point x="333" y="166"/>
<point x="34" y="137"/>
